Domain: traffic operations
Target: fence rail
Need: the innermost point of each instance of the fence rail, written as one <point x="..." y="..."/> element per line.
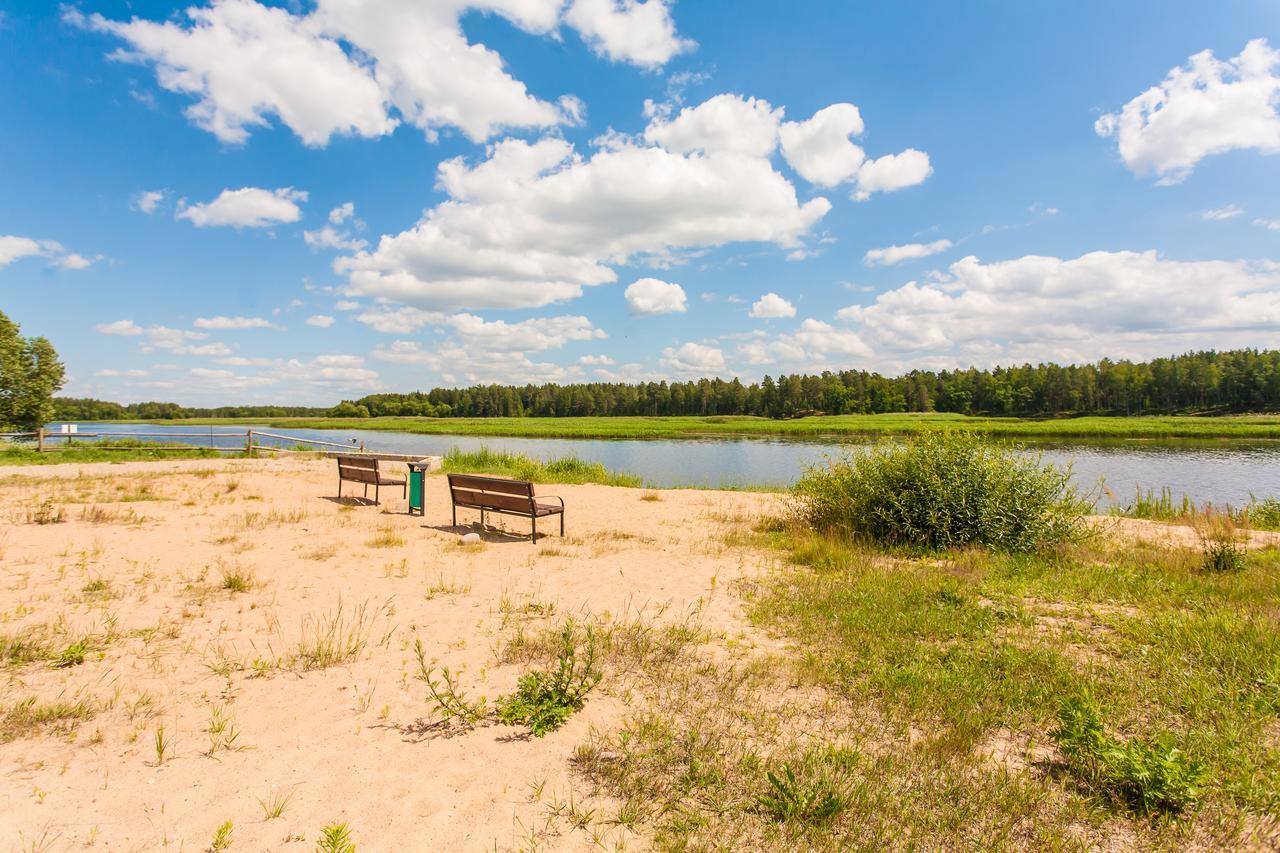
<point x="247" y="442"/>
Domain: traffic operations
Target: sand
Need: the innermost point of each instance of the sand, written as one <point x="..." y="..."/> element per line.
<point x="349" y="743"/>
<point x="172" y="647"/>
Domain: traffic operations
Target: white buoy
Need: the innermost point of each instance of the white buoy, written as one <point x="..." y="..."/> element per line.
<point x="469" y="538"/>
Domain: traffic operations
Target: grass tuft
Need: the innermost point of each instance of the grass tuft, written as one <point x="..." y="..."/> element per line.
<point x="568" y="469"/>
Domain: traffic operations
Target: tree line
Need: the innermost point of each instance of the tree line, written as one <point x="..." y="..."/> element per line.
<point x="1210" y="381"/>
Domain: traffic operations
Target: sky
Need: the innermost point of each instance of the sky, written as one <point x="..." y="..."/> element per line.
<point x="249" y="201"/>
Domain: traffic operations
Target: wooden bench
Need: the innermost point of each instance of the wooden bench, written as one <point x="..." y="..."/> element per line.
<point x="508" y="497"/>
<point x="365" y="470"/>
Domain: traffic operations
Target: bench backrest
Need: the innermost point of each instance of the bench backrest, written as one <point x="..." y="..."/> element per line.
<point x="495" y="492"/>
<point x="359" y="469"/>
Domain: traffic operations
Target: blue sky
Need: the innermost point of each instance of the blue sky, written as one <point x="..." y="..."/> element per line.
<point x="299" y="202"/>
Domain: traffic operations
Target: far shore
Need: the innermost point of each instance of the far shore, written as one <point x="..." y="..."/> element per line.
<point x="1241" y="426"/>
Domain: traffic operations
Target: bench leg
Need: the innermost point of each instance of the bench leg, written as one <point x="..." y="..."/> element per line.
<point x="481" y="519"/>
<point x="455" y="516"/>
<point x="535" y="528"/>
<point x="562" y="524"/>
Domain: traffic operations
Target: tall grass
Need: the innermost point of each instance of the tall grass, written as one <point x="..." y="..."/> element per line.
<point x="1259" y="514"/>
<point x="124" y="450"/>
<point x="566" y="469"/>
<point x="942" y="490"/>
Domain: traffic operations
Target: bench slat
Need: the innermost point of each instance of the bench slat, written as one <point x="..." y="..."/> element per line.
<point x="480" y="483"/>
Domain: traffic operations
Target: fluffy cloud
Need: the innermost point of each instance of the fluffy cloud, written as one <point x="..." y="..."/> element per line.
<point x="457" y="363"/>
<point x="814" y="344"/>
<point x="320" y="321"/>
<point x="14" y="248"/>
<point x="771" y="305"/>
<point x="360" y="67"/>
<point x="1207" y="107"/>
<point x="636" y="31"/>
<point x="175" y="341"/>
<point x="650" y="297"/>
<point x="1117" y="304"/>
<point x="891" y="255"/>
<point x="820" y="150"/>
<point x="693" y="359"/>
<point x="248" y="207"/>
<point x="223" y="323"/>
<point x="722" y="124"/>
<point x="535" y="222"/>
<point x="124" y="328"/>
<point x="1269" y="224"/>
<point x="334" y="235"/>
<point x="534" y="334"/>
<point x="892" y="172"/>
<point x="148" y="200"/>
<point x="399" y="321"/>
<point x="1219" y="214"/>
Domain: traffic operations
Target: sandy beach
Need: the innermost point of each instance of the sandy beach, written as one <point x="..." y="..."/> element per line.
<point x="171" y="646"/>
<point x="211" y="595"/>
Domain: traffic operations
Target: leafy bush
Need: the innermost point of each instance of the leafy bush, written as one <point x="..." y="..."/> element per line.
<point x="1146" y="775"/>
<point x="943" y="489"/>
<point x="815" y="801"/>
<point x="544" y="700"/>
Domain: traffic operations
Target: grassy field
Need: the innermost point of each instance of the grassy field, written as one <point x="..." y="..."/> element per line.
<point x="1241" y="426"/>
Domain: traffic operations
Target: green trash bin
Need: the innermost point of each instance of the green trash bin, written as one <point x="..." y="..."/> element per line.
<point x="417" y="484"/>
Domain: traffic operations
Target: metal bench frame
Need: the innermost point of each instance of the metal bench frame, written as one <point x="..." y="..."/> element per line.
<point x="503" y="496"/>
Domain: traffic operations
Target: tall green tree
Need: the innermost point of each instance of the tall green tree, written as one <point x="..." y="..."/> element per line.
<point x="30" y="374"/>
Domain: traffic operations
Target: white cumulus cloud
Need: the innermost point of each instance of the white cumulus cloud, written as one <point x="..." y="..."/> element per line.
<point x="651" y="296"/>
<point x="693" y="360"/>
<point x="361" y="67"/>
<point x="148" y="200"/>
<point x="771" y="305"/>
<point x="636" y="31"/>
<point x="1116" y="304"/>
<point x="320" y="321"/>
<point x="248" y="207"/>
<point x="536" y="222"/>
<point x="820" y="149"/>
<point x="890" y="255"/>
<point x="13" y="248"/>
<point x="1209" y="106"/>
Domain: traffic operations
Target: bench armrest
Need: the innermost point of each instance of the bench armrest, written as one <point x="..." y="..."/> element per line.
<point x="549" y="498"/>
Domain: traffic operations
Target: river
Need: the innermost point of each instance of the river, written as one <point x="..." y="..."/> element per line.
<point x="1221" y="472"/>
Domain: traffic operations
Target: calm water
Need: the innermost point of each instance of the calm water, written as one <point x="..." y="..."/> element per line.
<point x="1224" y="472"/>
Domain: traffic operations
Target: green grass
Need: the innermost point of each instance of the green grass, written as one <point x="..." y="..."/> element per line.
<point x="564" y="470"/>
<point x="974" y="642"/>
<point x="120" y="451"/>
<point x="1174" y="426"/>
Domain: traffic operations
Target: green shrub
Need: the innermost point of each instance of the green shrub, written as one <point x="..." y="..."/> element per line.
<point x="544" y="700"/>
<point x="1146" y="775"/>
<point x="943" y="489"/>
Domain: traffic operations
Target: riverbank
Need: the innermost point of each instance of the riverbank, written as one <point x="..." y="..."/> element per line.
<point x="1189" y="427"/>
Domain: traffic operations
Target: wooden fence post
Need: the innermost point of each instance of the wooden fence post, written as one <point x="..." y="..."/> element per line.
<point x="248" y="443"/>
<point x="40" y="440"/>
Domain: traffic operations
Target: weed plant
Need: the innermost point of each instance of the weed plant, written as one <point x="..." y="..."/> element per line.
<point x="1148" y="775"/>
<point x="543" y="701"/>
